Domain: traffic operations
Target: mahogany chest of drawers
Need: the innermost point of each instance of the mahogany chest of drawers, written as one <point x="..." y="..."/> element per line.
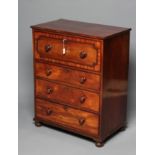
<point x="80" y="77"/>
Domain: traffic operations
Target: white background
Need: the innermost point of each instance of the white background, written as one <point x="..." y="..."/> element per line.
<point x="8" y="77"/>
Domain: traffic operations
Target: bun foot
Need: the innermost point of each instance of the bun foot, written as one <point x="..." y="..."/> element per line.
<point x="38" y="124"/>
<point x="99" y="144"/>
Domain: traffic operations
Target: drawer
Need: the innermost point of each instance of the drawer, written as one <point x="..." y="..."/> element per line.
<point x="68" y="117"/>
<point x="67" y="95"/>
<point x="72" y="51"/>
<point x="69" y="76"/>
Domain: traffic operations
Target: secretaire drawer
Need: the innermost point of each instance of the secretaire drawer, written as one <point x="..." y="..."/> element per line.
<point x="68" y="117"/>
<point x="73" y="51"/>
<point x="64" y="94"/>
<point x="78" y="78"/>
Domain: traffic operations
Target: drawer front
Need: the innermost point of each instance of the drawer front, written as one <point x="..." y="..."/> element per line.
<point x="69" y="76"/>
<point x="72" y="51"/>
<point x="68" y="117"/>
<point x="67" y="95"/>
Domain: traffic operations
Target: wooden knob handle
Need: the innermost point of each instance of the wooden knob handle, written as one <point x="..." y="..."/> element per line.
<point x="83" y="80"/>
<point x="48" y="48"/>
<point x="48" y="72"/>
<point x="83" y="54"/>
<point x="49" y="112"/>
<point x="49" y="90"/>
<point x="81" y="121"/>
<point x="82" y="99"/>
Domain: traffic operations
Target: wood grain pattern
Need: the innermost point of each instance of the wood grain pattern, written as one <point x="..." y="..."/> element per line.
<point x="63" y="94"/>
<point x="115" y="68"/>
<point x="84" y="90"/>
<point x="73" y="50"/>
<point x="68" y="76"/>
<point x="73" y="45"/>
<point x="69" y="117"/>
<point x="71" y="27"/>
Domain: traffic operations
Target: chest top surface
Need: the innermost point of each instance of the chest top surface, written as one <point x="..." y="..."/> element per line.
<point x="82" y="28"/>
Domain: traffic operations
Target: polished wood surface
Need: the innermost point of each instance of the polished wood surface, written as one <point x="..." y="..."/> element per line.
<point x="81" y="77"/>
<point x="63" y="115"/>
<point x="79" y="52"/>
<point x="115" y="68"/>
<point x="80" y="28"/>
<point x="61" y="94"/>
<point x="68" y="76"/>
<point x="75" y="51"/>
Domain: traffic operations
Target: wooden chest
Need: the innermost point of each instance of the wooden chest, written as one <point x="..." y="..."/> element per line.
<point x="80" y="77"/>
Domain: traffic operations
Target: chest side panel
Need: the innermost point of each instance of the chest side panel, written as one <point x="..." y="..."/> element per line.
<point x="115" y="82"/>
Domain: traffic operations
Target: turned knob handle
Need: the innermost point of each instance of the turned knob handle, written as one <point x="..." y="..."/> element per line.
<point x="83" y="80"/>
<point x="49" y="112"/>
<point x="49" y="90"/>
<point x="48" y="48"/>
<point x="83" y="54"/>
<point x="81" y="121"/>
<point x="82" y="99"/>
<point x="48" y="72"/>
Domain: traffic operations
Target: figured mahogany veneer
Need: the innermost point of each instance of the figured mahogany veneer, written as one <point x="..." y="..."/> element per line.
<point x="79" y="52"/>
<point x="61" y="93"/>
<point x="65" y="116"/>
<point x="81" y="77"/>
<point x="68" y="76"/>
